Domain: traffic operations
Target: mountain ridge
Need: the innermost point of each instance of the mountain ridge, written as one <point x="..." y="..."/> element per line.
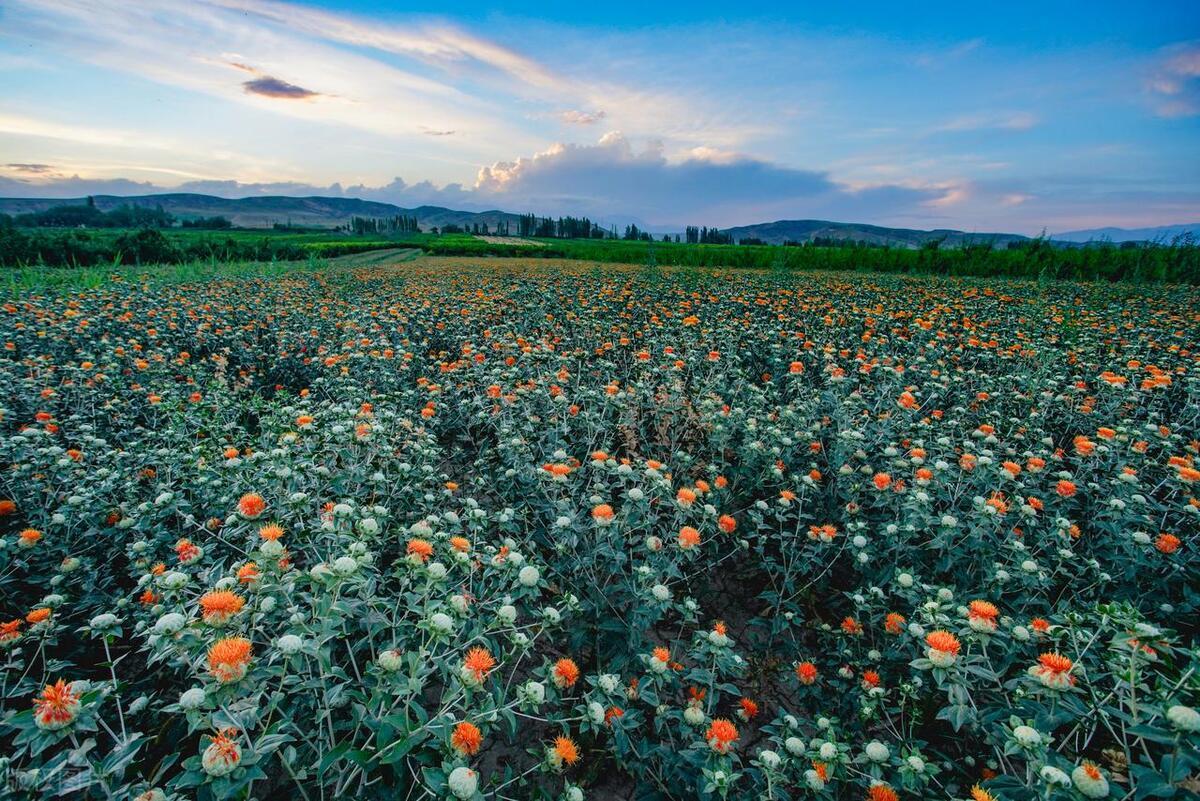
<point x="1113" y="234"/>
<point x="781" y="231"/>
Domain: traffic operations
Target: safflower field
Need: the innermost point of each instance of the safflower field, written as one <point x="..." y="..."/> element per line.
<point x="505" y="529"/>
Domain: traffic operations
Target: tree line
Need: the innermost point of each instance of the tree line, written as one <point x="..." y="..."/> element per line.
<point x="400" y="224"/>
<point x="87" y="215"/>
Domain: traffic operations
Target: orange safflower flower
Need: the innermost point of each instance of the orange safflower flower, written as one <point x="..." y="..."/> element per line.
<point x="56" y="707"/>
<point x="566" y="673"/>
<point x="1167" y="543"/>
<point x="943" y="641"/>
<point x="478" y="662"/>
<point x="688" y="538"/>
<point x="727" y="524"/>
<point x="566" y="750"/>
<point x="1065" y="488"/>
<point x="721" y="735"/>
<point x="10" y="631"/>
<point x="981" y="611"/>
<point x="419" y="549"/>
<point x="251" y="505"/>
<point x="882" y="481"/>
<point x="1053" y="670"/>
<point x="466" y="738"/>
<point x="270" y="532"/>
<point x="822" y="533"/>
<point x="228" y="659"/>
<point x="186" y="550"/>
<point x="748" y="708"/>
<point x="218" y="606"/>
<point x="882" y="792"/>
<point x="894" y="623"/>
<point x="806" y="672"/>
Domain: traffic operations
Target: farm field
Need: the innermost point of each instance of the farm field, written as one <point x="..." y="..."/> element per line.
<point x="531" y="528"/>
<point x="109" y="248"/>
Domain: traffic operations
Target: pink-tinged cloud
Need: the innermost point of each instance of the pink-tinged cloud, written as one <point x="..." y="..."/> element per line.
<point x="577" y="117"/>
<point x="1175" y="83"/>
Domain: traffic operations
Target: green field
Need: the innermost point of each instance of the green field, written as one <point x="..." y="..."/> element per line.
<point x="108" y="247"/>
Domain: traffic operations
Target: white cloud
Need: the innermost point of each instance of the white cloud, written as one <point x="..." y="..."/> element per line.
<point x="1174" y="82"/>
<point x="994" y="120"/>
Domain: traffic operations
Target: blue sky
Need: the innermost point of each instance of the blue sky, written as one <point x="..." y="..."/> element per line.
<point x="1020" y="117"/>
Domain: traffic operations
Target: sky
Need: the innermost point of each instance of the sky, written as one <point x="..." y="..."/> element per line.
<point x="1023" y="117"/>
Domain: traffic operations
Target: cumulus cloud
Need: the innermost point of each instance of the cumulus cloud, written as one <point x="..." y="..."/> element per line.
<point x="73" y="186"/>
<point x="268" y="86"/>
<point x="614" y="177"/>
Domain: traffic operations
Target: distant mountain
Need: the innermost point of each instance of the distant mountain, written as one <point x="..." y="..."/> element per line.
<point x="1163" y="233"/>
<point x="265" y="211"/>
<point x="776" y="233"/>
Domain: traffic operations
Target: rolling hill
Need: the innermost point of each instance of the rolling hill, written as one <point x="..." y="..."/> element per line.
<point x="776" y="233"/>
<point x="265" y="211"/>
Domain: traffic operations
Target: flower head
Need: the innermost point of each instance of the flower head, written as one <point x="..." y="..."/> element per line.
<point x="566" y="673"/>
<point x="1053" y="670"/>
<point x="223" y="754"/>
<point x="476" y="665"/>
<point x="943" y="648"/>
<point x="419" y="550"/>
<point x="466" y="738"/>
<point x="219" y="606"/>
<point x="563" y="751"/>
<point x="881" y="792"/>
<point x="228" y="659"/>
<point x="251" y="505"/>
<point x="721" y="735"/>
<point x="56" y="707"/>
